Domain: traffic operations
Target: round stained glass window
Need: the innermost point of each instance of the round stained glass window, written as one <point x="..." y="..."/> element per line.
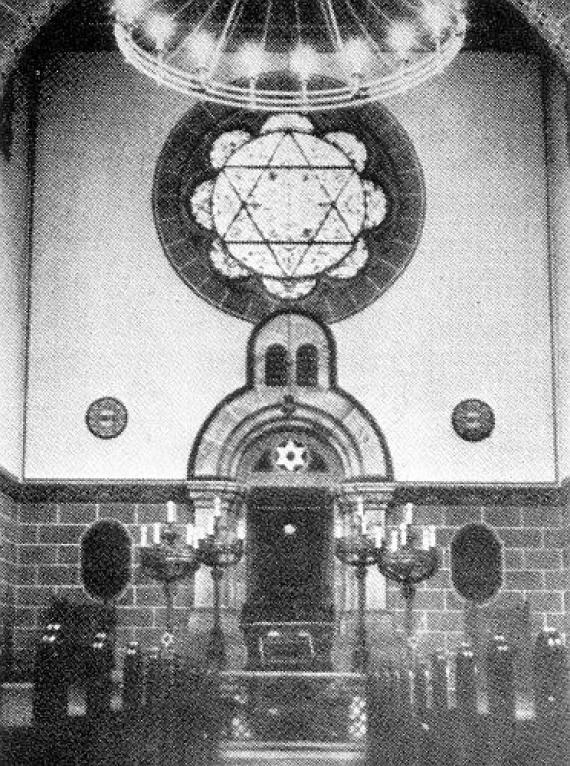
<point x="258" y="213"/>
<point x="287" y="206"/>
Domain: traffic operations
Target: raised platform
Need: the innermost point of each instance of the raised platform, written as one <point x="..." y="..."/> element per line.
<point x="294" y="706"/>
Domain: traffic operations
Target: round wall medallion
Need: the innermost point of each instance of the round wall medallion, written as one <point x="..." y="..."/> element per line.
<point x="106" y="418"/>
<point x="473" y="420"/>
<point x="259" y="214"/>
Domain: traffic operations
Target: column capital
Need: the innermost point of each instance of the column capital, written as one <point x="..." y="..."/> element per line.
<point x="207" y="489"/>
<point x="379" y="493"/>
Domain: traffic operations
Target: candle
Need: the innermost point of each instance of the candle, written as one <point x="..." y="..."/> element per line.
<point x="144" y="536"/>
<point x="361" y="514"/>
<point x="217" y="506"/>
<point x="156" y="533"/>
<point x="189" y="534"/>
<point x="171" y="512"/>
<point x="403" y="534"/>
<point x="379" y="537"/>
<point x="408" y="508"/>
<point x="394" y="540"/>
<point x="241" y="529"/>
<point x="338" y="530"/>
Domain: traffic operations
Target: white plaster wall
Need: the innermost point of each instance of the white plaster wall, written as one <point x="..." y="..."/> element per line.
<point x="13" y="273"/>
<point x="468" y="318"/>
<point x="110" y="316"/>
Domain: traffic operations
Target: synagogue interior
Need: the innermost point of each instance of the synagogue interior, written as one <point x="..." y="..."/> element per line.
<point x="284" y="382"/>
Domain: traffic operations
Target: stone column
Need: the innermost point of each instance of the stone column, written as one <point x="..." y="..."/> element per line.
<point x="566" y="555"/>
<point x="376" y="591"/>
<point x="203" y="493"/>
<point x="202" y="580"/>
<point x="375" y="496"/>
<point x="557" y="119"/>
<point x="343" y="597"/>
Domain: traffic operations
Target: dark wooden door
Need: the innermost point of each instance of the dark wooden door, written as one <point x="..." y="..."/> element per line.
<point x="290" y="555"/>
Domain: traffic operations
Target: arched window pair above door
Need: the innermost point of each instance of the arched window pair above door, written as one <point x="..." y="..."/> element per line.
<point x="291" y="393"/>
<point x="281" y="371"/>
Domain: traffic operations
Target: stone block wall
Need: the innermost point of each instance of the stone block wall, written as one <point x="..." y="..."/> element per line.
<point x="535" y="560"/>
<point x="533" y="535"/>
<point x="49" y="565"/>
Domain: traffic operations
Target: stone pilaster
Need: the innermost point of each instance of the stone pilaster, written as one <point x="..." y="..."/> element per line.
<point x="204" y="493"/>
<point x="375" y="497"/>
<point x="565" y="537"/>
<point x="558" y="176"/>
<point x="557" y="100"/>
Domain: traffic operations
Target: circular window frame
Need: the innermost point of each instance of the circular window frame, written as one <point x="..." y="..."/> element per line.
<point x="393" y="164"/>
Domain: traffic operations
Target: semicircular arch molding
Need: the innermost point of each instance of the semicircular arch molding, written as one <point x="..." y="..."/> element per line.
<point x="290" y="454"/>
<point x="344" y="425"/>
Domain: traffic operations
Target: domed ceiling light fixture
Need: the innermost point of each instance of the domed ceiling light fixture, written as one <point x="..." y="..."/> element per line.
<point x="289" y="55"/>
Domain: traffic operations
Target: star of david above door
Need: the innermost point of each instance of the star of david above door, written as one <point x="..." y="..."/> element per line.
<point x="258" y="214"/>
<point x="291" y="455"/>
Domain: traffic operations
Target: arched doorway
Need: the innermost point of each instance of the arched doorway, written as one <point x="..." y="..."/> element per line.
<point x="292" y="477"/>
<point x="289" y="445"/>
<point x="288" y="616"/>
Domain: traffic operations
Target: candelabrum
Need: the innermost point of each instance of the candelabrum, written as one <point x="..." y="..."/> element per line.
<point x="406" y="562"/>
<point x="359" y="550"/>
<point x="219" y="550"/>
<point x="400" y="558"/>
<point x="168" y="561"/>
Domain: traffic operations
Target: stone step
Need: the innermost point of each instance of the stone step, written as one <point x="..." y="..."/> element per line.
<point x="302" y="758"/>
<point x="292" y="754"/>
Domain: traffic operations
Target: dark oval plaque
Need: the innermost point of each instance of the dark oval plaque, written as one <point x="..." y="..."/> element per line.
<point x="476" y="563"/>
<point x="106" y="552"/>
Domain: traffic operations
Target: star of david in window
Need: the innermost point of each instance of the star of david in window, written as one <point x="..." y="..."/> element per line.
<point x="291" y="456"/>
<point x="288" y="207"/>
